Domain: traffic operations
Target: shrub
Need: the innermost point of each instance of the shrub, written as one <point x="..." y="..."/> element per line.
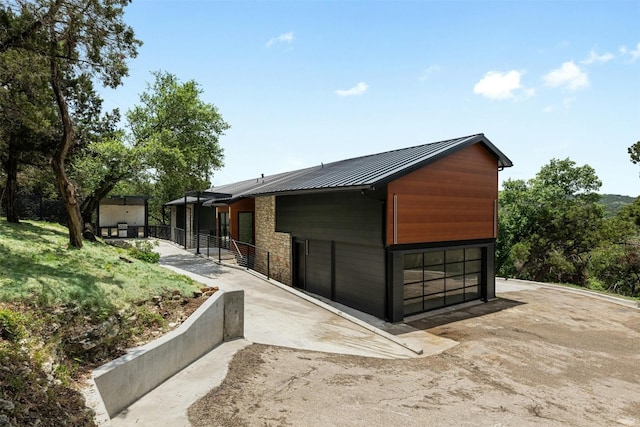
<point x="143" y="250"/>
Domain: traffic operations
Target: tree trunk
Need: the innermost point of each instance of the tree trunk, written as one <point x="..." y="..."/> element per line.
<point x="90" y="204"/>
<point x="66" y="188"/>
<point x="11" y="188"/>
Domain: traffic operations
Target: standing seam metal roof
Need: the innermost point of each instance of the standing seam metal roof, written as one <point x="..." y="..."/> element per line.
<point x="357" y="172"/>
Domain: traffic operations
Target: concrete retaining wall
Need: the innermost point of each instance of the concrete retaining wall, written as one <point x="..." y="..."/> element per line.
<point x="126" y="379"/>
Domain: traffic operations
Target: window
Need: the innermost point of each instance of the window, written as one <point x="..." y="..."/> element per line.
<point x="437" y="279"/>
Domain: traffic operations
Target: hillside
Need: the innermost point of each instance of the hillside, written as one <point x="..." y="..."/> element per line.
<point x="614" y="202"/>
<point x="64" y="311"/>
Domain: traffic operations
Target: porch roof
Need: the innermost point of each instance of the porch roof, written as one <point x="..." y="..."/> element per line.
<point x="198" y="197"/>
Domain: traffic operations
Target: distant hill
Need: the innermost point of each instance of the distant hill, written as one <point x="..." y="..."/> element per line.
<point x="614" y="202"/>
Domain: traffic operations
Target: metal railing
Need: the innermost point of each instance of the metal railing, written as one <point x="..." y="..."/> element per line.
<point x="224" y="250"/>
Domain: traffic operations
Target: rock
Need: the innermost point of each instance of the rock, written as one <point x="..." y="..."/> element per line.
<point x="6" y="405"/>
<point x="157" y="299"/>
<point x="5" y="422"/>
<point x="197" y="294"/>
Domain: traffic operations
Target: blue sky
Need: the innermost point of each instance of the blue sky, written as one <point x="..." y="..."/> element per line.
<point x="306" y="82"/>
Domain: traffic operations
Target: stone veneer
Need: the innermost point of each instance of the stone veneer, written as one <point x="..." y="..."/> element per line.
<point x="267" y="239"/>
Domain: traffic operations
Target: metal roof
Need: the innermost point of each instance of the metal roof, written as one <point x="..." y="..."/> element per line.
<point x="356" y="173"/>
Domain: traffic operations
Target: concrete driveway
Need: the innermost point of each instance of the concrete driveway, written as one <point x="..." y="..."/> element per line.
<point x="539" y="355"/>
<point x="275" y="316"/>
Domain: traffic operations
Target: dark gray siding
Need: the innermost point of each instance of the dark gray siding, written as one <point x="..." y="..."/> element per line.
<point x="318" y="268"/>
<point x="360" y="278"/>
<point x="206" y="219"/>
<point x="346" y="216"/>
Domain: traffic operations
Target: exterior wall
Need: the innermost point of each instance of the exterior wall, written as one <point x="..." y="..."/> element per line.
<point x="244" y="205"/>
<point x="451" y="199"/>
<point x="267" y="239"/>
<point x="111" y="215"/>
<point x="345" y="216"/>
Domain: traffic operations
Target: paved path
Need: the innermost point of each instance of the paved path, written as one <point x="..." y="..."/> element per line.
<point x="273" y="316"/>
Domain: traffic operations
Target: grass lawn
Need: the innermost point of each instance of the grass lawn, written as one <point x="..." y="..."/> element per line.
<point x="64" y="311"/>
<point x="36" y="263"/>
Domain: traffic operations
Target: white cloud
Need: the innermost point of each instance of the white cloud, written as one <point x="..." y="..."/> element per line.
<point x="282" y="38"/>
<point x="548" y="109"/>
<point x="428" y="72"/>
<point x="569" y="75"/>
<point x="358" y="89"/>
<point x="594" y="57"/>
<point x="497" y="85"/>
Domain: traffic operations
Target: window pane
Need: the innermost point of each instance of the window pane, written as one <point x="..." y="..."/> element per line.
<point x="413" y="291"/>
<point x="455" y="297"/>
<point x="473" y="253"/>
<point x="455" y="269"/>
<point x="414" y="275"/>
<point x="412" y="261"/>
<point x="473" y="266"/>
<point x="413" y="306"/>
<point x="433" y="301"/>
<point x="455" y="255"/>
<point x="454" y="283"/>
<point x="472" y="293"/>
<point x="433" y="258"/>
<point x="434" y="272"/>
<point x="433" y="286"/>
<point x="472" y="279"/>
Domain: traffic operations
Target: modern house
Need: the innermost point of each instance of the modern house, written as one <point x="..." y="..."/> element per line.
<point x="390" y="234"/>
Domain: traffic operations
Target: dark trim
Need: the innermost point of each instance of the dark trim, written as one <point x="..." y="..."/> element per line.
<point x="418" y="247"/>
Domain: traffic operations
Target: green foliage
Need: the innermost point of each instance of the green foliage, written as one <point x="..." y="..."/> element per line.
<point x="11" y="325"/>
<point x="549" y="225"/>
<point x="631" y="213"/>
<point x="143" y="250"/>
<point x="553" y="229"/>
<point x="634" y="152"/>
<point x="78" y="42"/>
<point x="177" y="134"/>
<point x="617" y="267"/>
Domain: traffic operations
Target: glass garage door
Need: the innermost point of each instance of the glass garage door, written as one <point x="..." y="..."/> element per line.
<point x="438" y="279"/>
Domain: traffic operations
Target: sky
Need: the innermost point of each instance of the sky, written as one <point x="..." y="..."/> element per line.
<point x="309" y="82"/>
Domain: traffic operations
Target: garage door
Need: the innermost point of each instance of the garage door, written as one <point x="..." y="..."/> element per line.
<point x="441" y="278"/>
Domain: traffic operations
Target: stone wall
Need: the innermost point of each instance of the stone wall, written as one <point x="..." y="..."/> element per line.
<point x="267" y="239"/>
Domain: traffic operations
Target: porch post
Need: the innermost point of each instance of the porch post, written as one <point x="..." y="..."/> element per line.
<point x="197" y="221"/>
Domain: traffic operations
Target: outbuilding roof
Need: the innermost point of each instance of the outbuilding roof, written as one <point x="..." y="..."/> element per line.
<point x="357" y="173"/>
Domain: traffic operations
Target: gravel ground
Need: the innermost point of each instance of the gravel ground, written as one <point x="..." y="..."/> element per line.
<point x="535" y="357"/>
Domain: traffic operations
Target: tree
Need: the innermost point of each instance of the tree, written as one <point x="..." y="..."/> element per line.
<point x="177" y="134"/>
<point x="26" y="134"/>
<point x="549" y="225"/>
<point x="80" y="40"/>
<point x="101" y="166"/>
<point x="634" y="153"/>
